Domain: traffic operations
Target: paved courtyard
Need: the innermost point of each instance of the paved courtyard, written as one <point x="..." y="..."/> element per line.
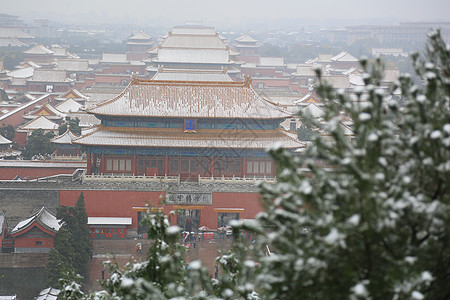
<point x="124" y="251"/>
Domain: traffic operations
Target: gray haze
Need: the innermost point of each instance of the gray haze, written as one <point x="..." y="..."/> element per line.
<point x="228" y="12"/>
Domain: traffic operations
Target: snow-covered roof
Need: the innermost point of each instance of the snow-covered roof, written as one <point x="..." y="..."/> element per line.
<point x="40" y="122"/>
<point x="21" y="73"/>
<point x="390" y="75"/>
<point x="69" y="105"/>
<point x="193" y="45"/>
<point x="48" y="294"/>
<point x="140" y="36"/>
<point x="38" y="49"/>
<point x="51" y="76"/>
<point x="154" y="137"/>
<point x="43" y="217"/>
<point x="149" y="98"/>
<point x="305" y="70"/>
<point x="31" y="103"/>
<point x="47" y="110"/>
<point x="14" y="32"/>
<point x="344" y="56"/>
<point x="114" y="58"/>
<point x="356" y="80"/>
<point x="10" y="42"/>
<point x="314" y="110"/>
<point x="305" y="100"/>
<point x="324" y="58"/>
<point x="73" y="65"/>
<point x="65" y="138"/>
<point x="245" y="38"/>
<point x="109" y="221"/>
<point x="74" y="94"/>
<point x="86" y="120"/>
<point x="41" y="164"/>
<point x="188" y="75"/>
<point x="271" y="61"/>
<point x="338" y="81"/>
<point x="193" y="30"/>
<point x="197" y="56"/>
<point x="4" y="141"/>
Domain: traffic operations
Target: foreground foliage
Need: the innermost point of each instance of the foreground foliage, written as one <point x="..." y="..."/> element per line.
<point x="374" y="224"/>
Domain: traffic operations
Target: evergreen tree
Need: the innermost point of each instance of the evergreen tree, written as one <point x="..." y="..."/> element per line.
<point x="39" y="143"/>
<point x="61" y="258"/>
<point x="74" y="126"/>
<point x="75" y="219"/>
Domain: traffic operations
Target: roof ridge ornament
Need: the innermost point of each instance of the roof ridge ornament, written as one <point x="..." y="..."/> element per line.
<point x="247" y="81"/>
<point x="134" y="77"/>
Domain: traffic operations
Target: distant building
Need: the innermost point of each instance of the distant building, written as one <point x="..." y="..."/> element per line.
<point x="248" y="49"/>
<point x="36" y="234"/>
<point x="138" y="46"/>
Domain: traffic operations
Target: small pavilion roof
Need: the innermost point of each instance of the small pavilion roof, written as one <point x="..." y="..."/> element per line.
<point x="40" y="122"/>
<point x="65" y="138"/>
<point x="203" y="99"/>
<point x="174" y="138"/>
<point x="114" y="58"/>
<point x="38" y="49"/>
<point x="21" y="73"/>
<point x="43" y="217"/>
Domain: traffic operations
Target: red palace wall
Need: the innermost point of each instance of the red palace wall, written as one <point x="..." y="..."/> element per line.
<point x="32" y="173"/>
<point x="121" y="203"/>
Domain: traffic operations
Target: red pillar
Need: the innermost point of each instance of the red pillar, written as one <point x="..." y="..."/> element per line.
<point x="102" y="164"/>
<point x="212" y="165"/>
<point x="88" y="171"/>
<point x="166" y="164"/>
<point x="244" y="167"/>
<point x="133" y="167"/>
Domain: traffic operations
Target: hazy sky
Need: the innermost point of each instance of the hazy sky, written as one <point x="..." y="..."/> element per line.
<point x="213" y="12"/>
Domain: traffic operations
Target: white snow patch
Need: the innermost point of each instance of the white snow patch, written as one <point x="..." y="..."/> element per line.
<point x="332" y="236"/>
<point x="435" y="134"/>
<point x="360" y="290"/>
<point x="364" y="117"/>
<point x="373" y="137"/>
<point x="173" y="230"/>
<point x="354" y="220"/>
<point x="196" y="265"/>
<point x="127" y="282"/>
<point x="417" y="295"/>
<point x="426" y="276"/>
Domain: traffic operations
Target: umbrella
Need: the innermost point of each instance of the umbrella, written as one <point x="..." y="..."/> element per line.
<point x="204" y="228"/>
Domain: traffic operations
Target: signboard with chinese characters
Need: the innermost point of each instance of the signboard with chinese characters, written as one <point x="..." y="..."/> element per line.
<point x="189" y="198"/>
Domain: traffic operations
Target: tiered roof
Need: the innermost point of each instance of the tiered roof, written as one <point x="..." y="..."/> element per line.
<point x="192" y="75"/>
<point x="344" y="56"/>
<point x="146" y="98"/>
<point x="245" y="38"/>
<point x="199" y="45"/>
<point x="43" y="217"/>
<point x="152" y="137"/>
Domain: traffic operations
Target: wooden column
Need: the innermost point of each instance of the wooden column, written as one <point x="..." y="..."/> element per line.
<point x="212" y="166"/>
<point x="244" y="166"/>
<point x="166" y="164"/>
<point x="88" y="171"/>
<point x="133" y="165"/>
<point x="102" y="164"/>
